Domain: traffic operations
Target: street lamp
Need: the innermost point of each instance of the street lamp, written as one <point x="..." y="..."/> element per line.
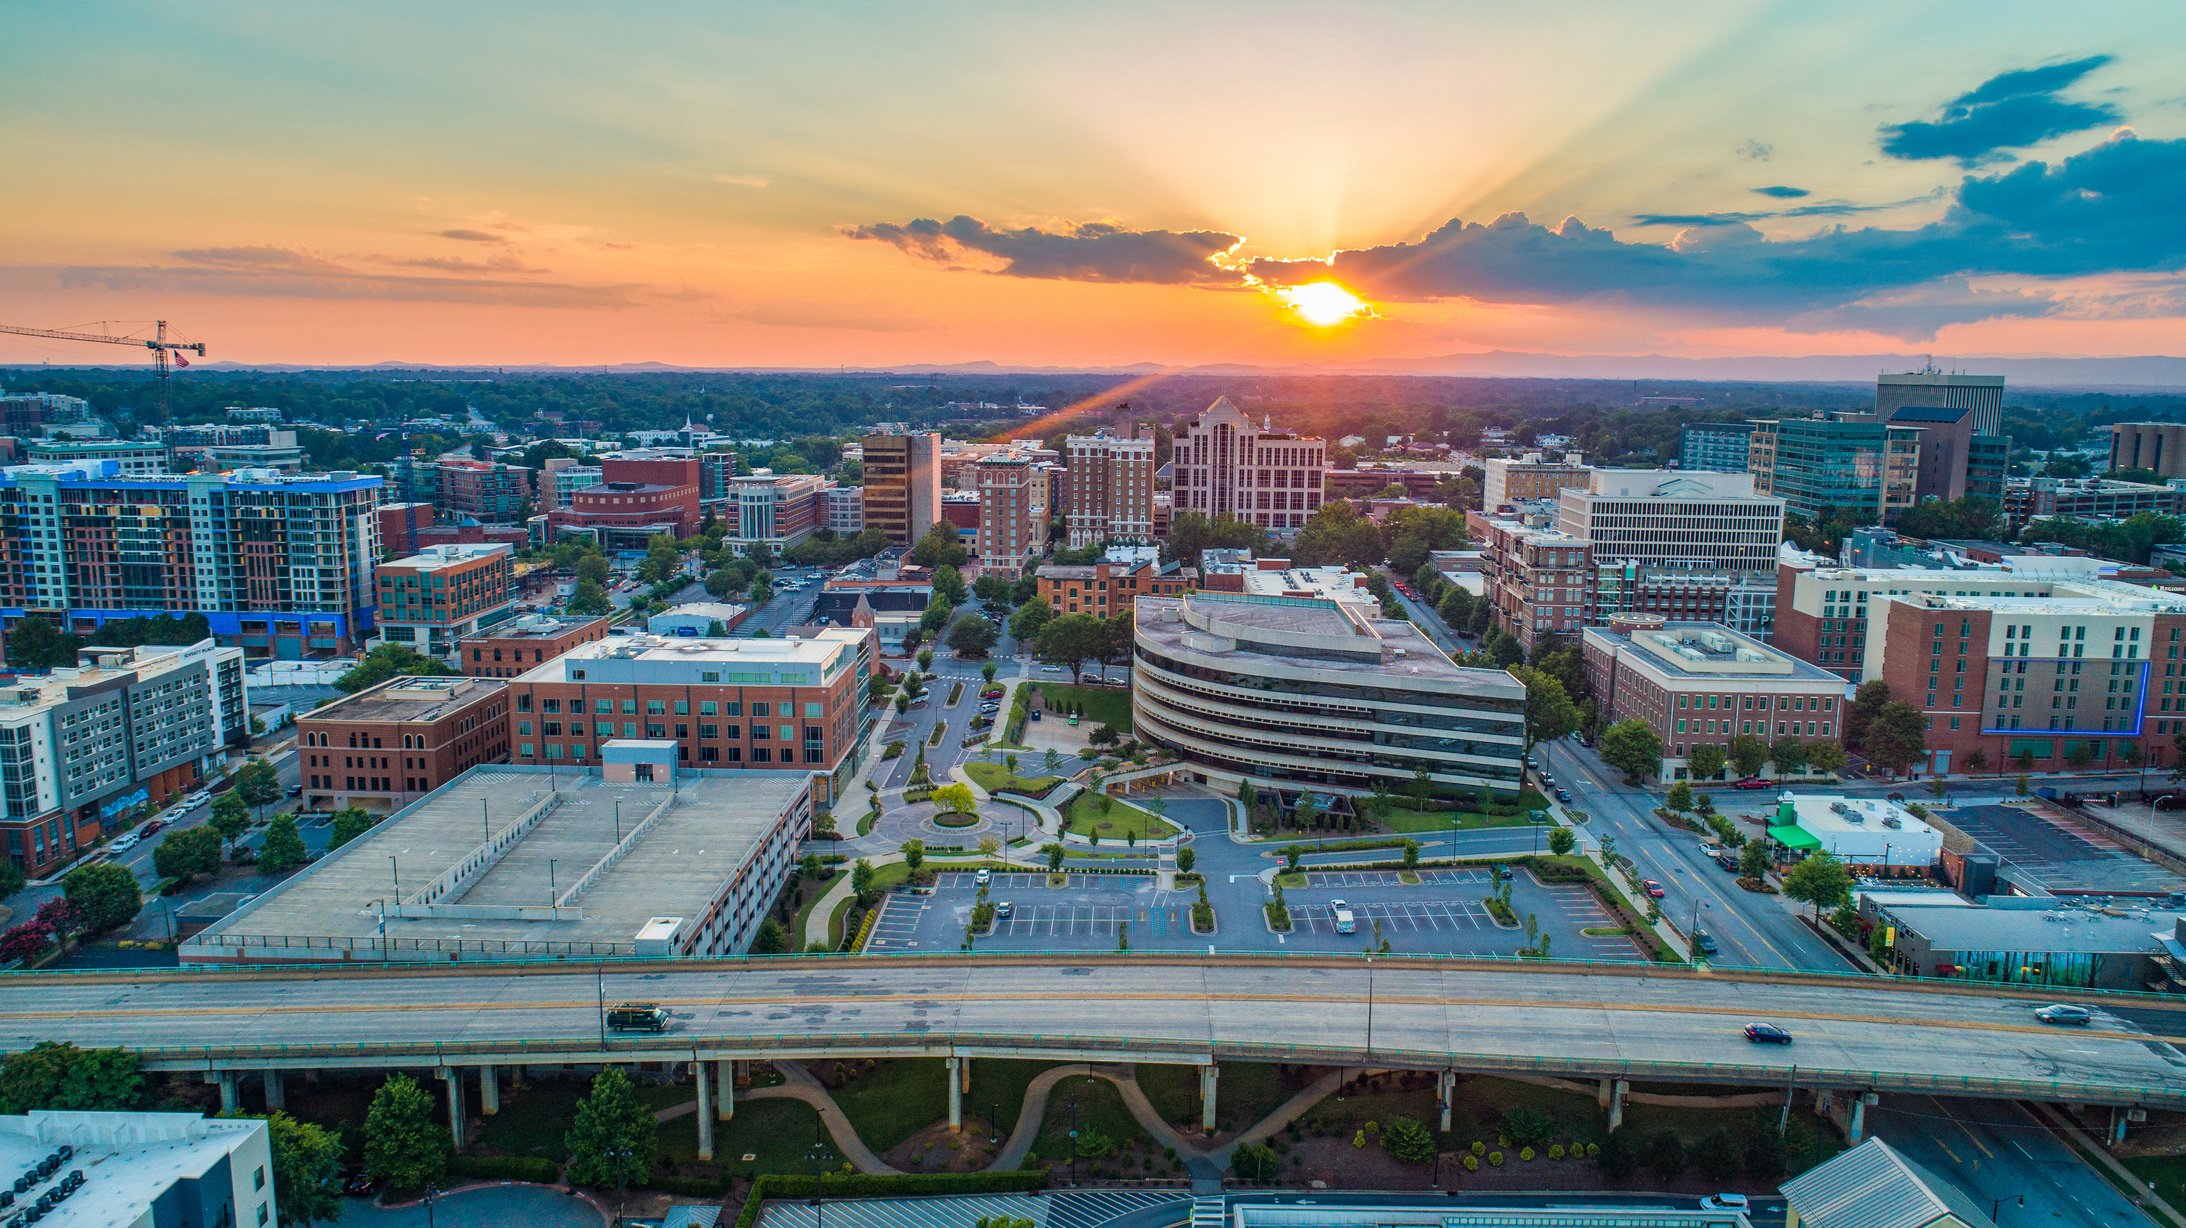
<point x="1997" y="1204"/>
<point x="1073" y="1106"/>
<point x="1692" y="950"/>
<point x="817" y="1160"/>
<point x="2153" y="803"/>
<point x="1370" y="1008"/>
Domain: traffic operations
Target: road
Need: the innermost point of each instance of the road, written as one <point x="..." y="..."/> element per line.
<point x="1997" y="1152"/>
<point x="1642" y="1023"/>
<point x="913" y="728"/>
<point x="1752" y="931"/>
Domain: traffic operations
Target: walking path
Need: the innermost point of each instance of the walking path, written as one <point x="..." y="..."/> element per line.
<point x="800" y="1085"/>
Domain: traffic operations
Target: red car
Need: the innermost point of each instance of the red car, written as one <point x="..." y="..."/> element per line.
<point x="1751" y="782"/>
<point x="1652" y="888"/>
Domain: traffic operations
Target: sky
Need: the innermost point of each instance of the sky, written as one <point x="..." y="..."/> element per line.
<point x="1094" y="184"/>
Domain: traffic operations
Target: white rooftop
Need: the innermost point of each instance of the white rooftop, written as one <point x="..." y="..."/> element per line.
<point x="128" y="1159"/>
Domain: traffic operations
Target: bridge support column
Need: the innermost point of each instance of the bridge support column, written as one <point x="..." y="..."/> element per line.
<point x="963" y="1074"/>
<point x="956" y="1096"/>
<point x="1855" y="1121"/>
<point x="1616" y="1103"/>
<point x="453" y="1077"/>
<point x="489" y="1091"/>
<point x="225" y="1081"/>
<point x="1446" y="1095"/>
<point x="1601" y="1095"/>
<point x="2117" y="1126"/>
<point x="724" y="1098"/>
<point x="1825" y="1101"/>
<point x="275" y="1097"/>
<point x="703" y="1078"/>
<point x="1207" y="1077"/>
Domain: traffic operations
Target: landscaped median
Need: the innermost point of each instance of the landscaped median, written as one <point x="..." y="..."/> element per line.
<point x="1099" y="816"/>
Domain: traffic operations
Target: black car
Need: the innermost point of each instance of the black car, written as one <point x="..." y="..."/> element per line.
<point x="359" y="1185"/>
<point x="1767" y="1034"/>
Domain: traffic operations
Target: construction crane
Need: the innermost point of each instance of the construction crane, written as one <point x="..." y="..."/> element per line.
<point x="164" y="352"/>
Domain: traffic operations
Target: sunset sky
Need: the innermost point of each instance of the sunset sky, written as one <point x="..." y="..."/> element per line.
<point x="1094" y="184"/>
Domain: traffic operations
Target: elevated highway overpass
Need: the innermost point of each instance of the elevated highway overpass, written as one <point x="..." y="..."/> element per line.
<point x="1606" y="1022"/>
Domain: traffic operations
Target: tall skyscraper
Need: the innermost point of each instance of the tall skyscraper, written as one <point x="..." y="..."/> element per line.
<point x="1112" y="489"/>
<point x="1853" y="466"/>
<point x="1008" y="536"/>
<point x="1983" y="394"/>
<point x="902" y="485"/>
<point x="1228" y="466"/>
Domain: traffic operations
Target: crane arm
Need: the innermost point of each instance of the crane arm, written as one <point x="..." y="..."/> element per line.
<point x="61" y="335"/>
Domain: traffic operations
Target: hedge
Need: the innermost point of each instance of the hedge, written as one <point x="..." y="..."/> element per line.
<point x="876" y="1185"/>
<point x="536" y="1169"/>
<point x="713" y="1186"/>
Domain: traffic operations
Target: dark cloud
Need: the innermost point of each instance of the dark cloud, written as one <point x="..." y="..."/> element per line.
<point x="1783" y="191"/>
<point x="1823" y="208"/>
<point x="473" y="236"/>
<point x="2011" y="110"/>
<point x="1087" y="251"/>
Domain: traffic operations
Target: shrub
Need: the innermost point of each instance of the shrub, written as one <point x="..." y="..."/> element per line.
<point x="1406" y="1140"/>
<point x="1359" y="1139"/>
<point x="1555" y="1151"/>
<point x="536" y="1169"/>
<point x="1528" y="1126"/>
<point x="1479" y="1148"/>
<point x="1526" y="1154"/>
<point x="1495" y="1159"/>
<point x="1664" y="1154"/>
<point x="1472" y="1162"/>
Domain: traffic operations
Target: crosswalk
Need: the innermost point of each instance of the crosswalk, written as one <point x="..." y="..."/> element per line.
<point x="1060" y="1209"/>
<point x="1094" y="1208"/>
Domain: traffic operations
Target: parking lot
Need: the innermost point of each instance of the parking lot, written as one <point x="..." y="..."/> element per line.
<point x="2056" y="857"/>
<point x="1084" y="914"/>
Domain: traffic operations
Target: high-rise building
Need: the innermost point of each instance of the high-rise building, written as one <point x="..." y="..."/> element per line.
<point x="1982" y="394"/>
<point x="561" y="478"/>
<point x="902" y="485"/>
<point x="765" y="508"/>
<point x="432" y="599"/>
<point x="279" y="563"/>
<point x="1112" y="489"/>
<point x="1010" y="532"/>
<point x="845" y="510"/>
<point x="1530" y="478"/>
<point x="1818" y="466"/>
<point x="1676" y="521"/>
<point x="83" y="748"/>
<point x="137" y="460"/>
<point x="1715" y="447"/>
<point x="2160" y="446"/>
<point x="1538" y="580"/>
<point x="487" y="491"/>
<point x="1227" y="466"/>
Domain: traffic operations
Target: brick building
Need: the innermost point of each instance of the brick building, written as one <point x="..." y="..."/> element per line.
<point x="637" y="499"/>
<point x="1530" y="479"/>
<point x="1108" y="587"/>
<point x="442" y="594"/>
<point x="388" y="745"/>
<point x="1012" y="526"/>
<point x="1112" y="488"/>
<point x="1539" y="580"/>
<point x="509" y="648"/>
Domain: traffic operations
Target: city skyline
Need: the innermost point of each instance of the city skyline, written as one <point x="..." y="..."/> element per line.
<point x="1096" y="187"/>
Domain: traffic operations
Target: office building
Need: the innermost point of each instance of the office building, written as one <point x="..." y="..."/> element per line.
<point x="726" y="703"/>
<point x="640" y="497"/>
<point x="1112" y="489"/>
<point x="627" y="855"/>
<point x="135" y="460"/>
<point x="902" y="485"/>
<point x="509" y="648"/>
<point x="1953" y="461"/>
<point x="1010" y="535"/>
<point x="1224" y="465"/>
<point x="1370" y="481"/>
<point x="400" y="525"/>
<point x="2031" y="499"/>
<point x="2156" y="446"/>
<point x="29" y="413"/>
<point x="1530" y="479"/>
<point x="142" y="1170"/>
<point x="1930" y="388"/>
<point x="1714" y="447"/>
<point x="1702" y="684"/>
<point x="1238" y="571"/>
<point x="392" y="743"/>
<point x="845" y="510"/>
<point x="1312" y="694"/>
<point x="1744" y="601"/>
<point x="1823" y="467"/>
<point x="83" y="748"/>
<point x="443" y="594"/>
<point x="1109" y="587"/>
<point x="1676" y="521"/>
<point x="489" y="492"/>
<point x="562" y="478"/>
<point x="281" y="564"/>
<point x="774" y="510"/>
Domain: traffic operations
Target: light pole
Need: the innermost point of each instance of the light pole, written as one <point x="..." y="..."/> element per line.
<point x="1997" y="1204"/>
<point x="1073" y="1106"/>
<point x="1370" y="1008"/>
<point x="2153" y="803"/>
<point x="817" y="1159"/>
<point x="1692" y="948"/>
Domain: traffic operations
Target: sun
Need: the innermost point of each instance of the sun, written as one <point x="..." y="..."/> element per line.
<point x="1324" y="304"/>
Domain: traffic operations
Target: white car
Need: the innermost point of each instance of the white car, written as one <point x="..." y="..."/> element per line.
<point x="1725" y="1202"/>
<point x="123" y="842"/>
<point x="196" y="799"/>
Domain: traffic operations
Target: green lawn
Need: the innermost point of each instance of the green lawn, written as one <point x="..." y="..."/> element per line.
<point x="778" y="1133"/>
<point x="1122" y="820"/>
<point x="2168" y="1173"/>
<point x="1100" y="1106"/>
<point x="1404" y="816"/>
<point x="1100" y="705"/>
<point x="995" y="778"/>
<point x="893" y="1100"/>
<point x="998" y="1090"/>
<point x="814" y="889"/>
<point x="1244" y="1092"/>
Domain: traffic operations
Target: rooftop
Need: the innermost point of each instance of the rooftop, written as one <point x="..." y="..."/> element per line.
<point x="773" y="661"/>
<point x="2016" y="923"/>
<point x="100" y="669"/>
<point x="540" y="626"/>
<point x="1822" y="814"/>
<point x="1666" y="483"/>
<point x="1295" y="635"/>
<point x="533" y="882"/>
<point x="128" y="1159"/>
<point x="1872" y="1186"/>
<point x="453" y="554"/>
<point x="407" y="699"/>
<point x="1711" y="651"/>
<point x="724" y="611"/>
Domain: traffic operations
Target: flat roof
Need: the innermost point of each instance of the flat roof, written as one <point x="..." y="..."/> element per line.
<point x="1710" y="652"/>
<point x="128" y="1159"/>
<point x="640" y="659"/>
<point x="433" y="558"/>
<point x="709" y="824"/>
<point x="537" y="626"/>
<point x="2048" y="927"/>
<point x="1351" y="639"/>
<point x="422" y="698"/>
<point x="1821" y="815"/>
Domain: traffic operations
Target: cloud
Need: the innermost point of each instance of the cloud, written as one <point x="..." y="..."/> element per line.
<point x="267" y="257"/>
<point x="2011" y="110"/>
<point x="1085" y="251"/>
<point x="1782" y="192"/>
<point x="849" y="317"/>
<point x="283" y="272"/>
<point x="1820" y="208"/>
<point x="1754" y="151"/>
<point x="472" y="236"/>
<point x="743" y="181"/>
<point x="1916" y="314"/>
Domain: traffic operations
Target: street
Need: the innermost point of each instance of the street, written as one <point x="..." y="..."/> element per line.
<point x="1997" y="1151"/>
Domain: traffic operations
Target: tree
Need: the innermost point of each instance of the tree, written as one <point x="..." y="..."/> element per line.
<point x="1025" y="624"/>
<point x="350" y="822"/>
<point x="1186" y="858"/>
<point x="259" y="782"/>
<point x="12" y="878"/>
<point x="1978" y="761"/>
<point x="1502" y="648"/>
<point x="1561" y="841"/>
<point x="404" y="1146"/>
<point x="105" y="894"/>
<point x="35" y="643"/>
<point x="914" y="855"/>
<point x="1897" y="738"/>
<point x="1254" y="1162"/>
<point x="940" y="547"/>
<point x="1718" y="1155"/>
<point x="1411" y="854"/>
<point x="1191" y="533"/>
<point x="1550" y="714"/>
<point x="972" y="636"/>
<point x="1826" y="758"/>
<point x="987" y="672"/>
<point x="1338" y="533"/>
<point x="1664" y="1154"/>
<point x="613" y="1139"/>
<point x="1680" y="799"/>
<point x="1789" y="755"/>
<point x="862" y="877"/>
<point x="1070" y="640"/>
<point x="186" y="854"/>
<point x="230" y="816"/>
<point x="1406" y="1140"/>
<point x="56" y="1075"/>
<point x="949" y="584"/>
<point x="1753" y="860"/>
<point x="1706" y="762"/>
<point x="1632" y="747"/>
<point x="307" y="1169"/>
<point x="392" y="661"/>
<point x="1422" y="788"/>
<point x="28" y="941"/>
<point x="1054" y="854"/>
<point x="1819" y="879"/>
<point x="1748" y="754"/>
<point x="662" y="559"/>
<point x="956" y="798"/>
<point x="590" y="598"/>
<point x="1867" y="703"/>
<point x="591" y="565"/>
<point x="1104" y="736"/>
<point x="283" y="848"/>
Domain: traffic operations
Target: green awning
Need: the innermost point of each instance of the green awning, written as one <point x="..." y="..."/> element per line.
<point x="1793" y="836"/>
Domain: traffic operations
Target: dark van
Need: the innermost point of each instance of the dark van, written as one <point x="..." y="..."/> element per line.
<point x="637" y="1017"/>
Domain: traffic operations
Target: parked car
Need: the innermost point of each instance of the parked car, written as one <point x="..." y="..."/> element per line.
<point x="1751" y="782"/>
<point x="1002" y="909"/>
<point x="123" y="842"/>
<point x="295" y="790"/>
<point x="2064" y="1014"/>
<point x="1652" y="888"/>
<point x="1728" y="861"/>
<point x="359" y="1185"/>
<point x="984" y="877"/>
<point x="1767" y="1034"/>
<point x="151" y="827"/>
<point x="1725" y="1202"/>
<point x="1346" y="923"/>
